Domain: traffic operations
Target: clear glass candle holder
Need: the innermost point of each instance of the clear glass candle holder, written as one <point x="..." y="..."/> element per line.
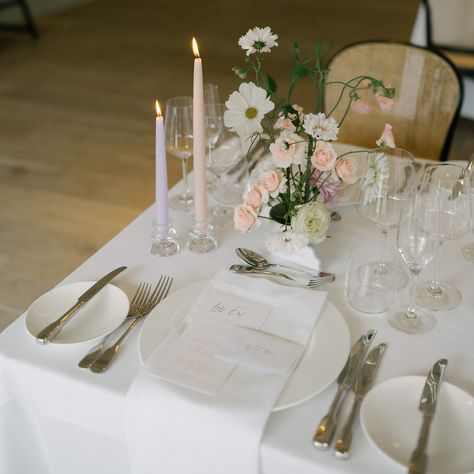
<point x="163" y="241"/>
<point x="201" y="237"/>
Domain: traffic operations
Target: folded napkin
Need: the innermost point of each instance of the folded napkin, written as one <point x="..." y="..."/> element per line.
<point x="212" y="420"/>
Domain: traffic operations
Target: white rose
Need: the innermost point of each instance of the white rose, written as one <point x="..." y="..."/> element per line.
<point x="313" y="220"/>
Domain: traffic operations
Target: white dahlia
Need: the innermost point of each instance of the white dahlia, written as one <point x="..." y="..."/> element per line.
<point x="258" y="40"/>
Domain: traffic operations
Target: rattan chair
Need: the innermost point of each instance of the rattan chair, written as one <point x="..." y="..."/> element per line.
<point x="426" y="104"/>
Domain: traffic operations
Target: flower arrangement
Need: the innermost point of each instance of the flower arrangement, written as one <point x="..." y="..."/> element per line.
<point x="305" y="175"/>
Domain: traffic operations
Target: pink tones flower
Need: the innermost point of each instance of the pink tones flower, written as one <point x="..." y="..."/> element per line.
<point x="244" y="218"/>
<point x="329" y="190"/>
<point x="387" y="139"/>
<point x="288" y="149"/>
<point x="385" y="103"/>
<point x="286" y="122"/>
<point x="324" y="156"/>
<point x="274" y="182"/>
<point x="255" y="198"/>
<point x="347" y="169"/>
<point x="361" y="107"/>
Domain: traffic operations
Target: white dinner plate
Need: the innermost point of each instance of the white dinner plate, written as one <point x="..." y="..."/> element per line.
<point x="391" y="420"/>
<point x="101" y="315"/>
<point x="320" y="365"/>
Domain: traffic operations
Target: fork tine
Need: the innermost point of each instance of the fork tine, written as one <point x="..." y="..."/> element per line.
<point x="136" y="295"/>
<point x="164" y="289"/>
<point x="144" y="296"/>
<point x="156" y="291"/>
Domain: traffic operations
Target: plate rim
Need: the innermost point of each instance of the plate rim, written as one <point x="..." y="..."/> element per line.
<point x="277" y="407"/>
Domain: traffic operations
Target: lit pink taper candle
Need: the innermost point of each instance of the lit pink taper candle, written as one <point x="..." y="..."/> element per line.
<point x="161" y="175"/>
<point x="199" y="146"/>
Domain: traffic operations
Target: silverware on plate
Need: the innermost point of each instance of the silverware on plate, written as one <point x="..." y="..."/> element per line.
<point x="327" y="426"/>
<point x="361" y="387"/>
<point x="306" y="282"/>
<point x="47" y="334"/>
<point x="101" y="364"/>
<point x="428" y="401"/>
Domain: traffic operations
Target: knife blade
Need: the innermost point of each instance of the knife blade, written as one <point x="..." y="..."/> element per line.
<point x="362" y="385"/>
<point x="327" y="426"/>
<point x="47" y="334"/>
<point x="428" y="401"/>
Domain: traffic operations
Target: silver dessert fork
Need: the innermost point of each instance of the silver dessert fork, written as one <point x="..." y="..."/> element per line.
<point x="101" y="364"/>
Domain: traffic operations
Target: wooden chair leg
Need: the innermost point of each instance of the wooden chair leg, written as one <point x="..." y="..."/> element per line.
<point x="28" y="17"/>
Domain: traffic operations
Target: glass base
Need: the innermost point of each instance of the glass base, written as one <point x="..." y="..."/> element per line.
<point x="201" y="237"/>
<point x="444" y="298"/>
<point x="183" y="202"/>
<point x="468" y="252"/>
<point x="163" y="242"/>
<point x="222" y="216"/>
<point x="384" y="275"/>
<point x="422" y="322"/>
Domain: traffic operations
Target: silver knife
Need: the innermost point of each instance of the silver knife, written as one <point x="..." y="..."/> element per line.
<point x="362" y="385"/>
<point x="427" y="406"/>
<point x="52" y="330"/>
<point x="327" y="426"/>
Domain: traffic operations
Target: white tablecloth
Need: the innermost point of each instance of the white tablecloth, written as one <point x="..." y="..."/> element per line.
<point x="57" y="418"/>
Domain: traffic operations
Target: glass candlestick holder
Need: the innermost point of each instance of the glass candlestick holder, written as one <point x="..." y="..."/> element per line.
<point x="163" y="241"/>
<point x="201" y="237"/>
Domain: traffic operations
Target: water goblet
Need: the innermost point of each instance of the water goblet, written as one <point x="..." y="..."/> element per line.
<point x="468" y="250"/>
<point x="179" y="142"/>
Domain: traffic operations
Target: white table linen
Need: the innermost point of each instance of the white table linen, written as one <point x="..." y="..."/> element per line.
<point x="57" y="418"/>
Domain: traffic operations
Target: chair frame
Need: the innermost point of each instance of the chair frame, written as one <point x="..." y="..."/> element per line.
<point x="452" y="127"/>
<point x="28" y="27"/>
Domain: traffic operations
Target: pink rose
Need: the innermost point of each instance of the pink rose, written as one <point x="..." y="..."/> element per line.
<point x="387" y="139"/>
<point x="324" y="156"/>
<point x="288" y="149"/>
<point x="244" y="218"/>
<point x="385" y="103"/>
<point x="256" y="197"/>
<point x="346" y="169"/>
<point x="360" y="107"/>
<point x="274" y="182"/>
<point x="329" y="190"/>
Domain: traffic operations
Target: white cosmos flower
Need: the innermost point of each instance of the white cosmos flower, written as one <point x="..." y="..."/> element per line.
<point x="321" y="127"/>
<point x="376" y="179"/>
<point x="287" y="242"/>
<point x="246" y="109"/>
<point x="258" y="40"/>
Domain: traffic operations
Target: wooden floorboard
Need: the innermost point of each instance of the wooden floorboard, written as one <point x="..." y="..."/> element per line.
<point x="77" y="121"/>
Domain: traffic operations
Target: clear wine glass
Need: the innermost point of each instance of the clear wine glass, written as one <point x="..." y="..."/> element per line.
<point x="211" y="93"/>
<point x="468" y="250"/>
<point x="389" y="178"/>
<point x="179" y="142"/>
<point x="417" y="248"/>
<point x="445" y="198"/>
<point x="224" y="153"/>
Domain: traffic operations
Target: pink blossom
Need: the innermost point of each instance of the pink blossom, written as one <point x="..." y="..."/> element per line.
<point x="324" y="156"/>
<point x="244" y="218"/>
<point x="330" y="189"/>
<point x="256" y="197"/>
<point x="288" y="149"/>
<point x="385" y="103"/>
<point x="387" y="139"/>
<point x="347" y="169"/>
<point x="274" y="181"/>
<point x="361" y="107"/>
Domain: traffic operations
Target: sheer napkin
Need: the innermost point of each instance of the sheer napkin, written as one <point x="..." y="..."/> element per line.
<point x="176" y="430"/>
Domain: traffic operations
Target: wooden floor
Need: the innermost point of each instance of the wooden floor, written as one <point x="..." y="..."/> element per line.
<point x="77" y="121"/>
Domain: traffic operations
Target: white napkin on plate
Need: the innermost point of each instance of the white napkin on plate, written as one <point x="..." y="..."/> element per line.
<point x="176" y="430"/>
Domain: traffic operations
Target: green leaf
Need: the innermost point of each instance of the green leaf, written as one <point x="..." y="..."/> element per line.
<point x="240" y="71"/>
<point x="299" y="71"/>
<point x="296" y="50"/>
<point x="270" y="85"/>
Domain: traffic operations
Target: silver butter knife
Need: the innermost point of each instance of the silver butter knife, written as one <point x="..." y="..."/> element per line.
<point x="427" y="406"/>
<point x="52" y="330"/>
<point x="327" y="426"/>
<point x="362" y="385"/>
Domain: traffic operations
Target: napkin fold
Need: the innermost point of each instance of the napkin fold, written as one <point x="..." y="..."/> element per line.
<point x="177" y="430"/>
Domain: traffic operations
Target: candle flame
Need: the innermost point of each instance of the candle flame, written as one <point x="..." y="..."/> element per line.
<point x="158" y="109"/>
<point x="195" y="48"/>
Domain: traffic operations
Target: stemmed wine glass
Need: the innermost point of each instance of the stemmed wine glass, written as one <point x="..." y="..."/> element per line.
<point x="445" y="198"/>
<point x="468" y="250"/>
<point x="389" y="177"/>
<point x="179" y="142"/>
<point x="417" y="248"/>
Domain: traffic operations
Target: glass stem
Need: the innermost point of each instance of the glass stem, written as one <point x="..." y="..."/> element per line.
<point x="411" y="311"/>
<point x="382" y="268"/>
<point x="184" y="167"/>
<point x="435" y="289"/>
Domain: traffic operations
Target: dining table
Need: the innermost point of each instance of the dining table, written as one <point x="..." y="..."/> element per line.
<point x="58" y="418"/>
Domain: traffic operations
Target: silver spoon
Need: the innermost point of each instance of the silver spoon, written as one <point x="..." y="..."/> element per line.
<point x="259" y="261"/>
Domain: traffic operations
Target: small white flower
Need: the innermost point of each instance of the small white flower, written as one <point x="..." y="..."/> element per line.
<point x="321" y="127"/>
<point x="376" y="179"/>
<point x="258" y="40"/>
<point x="312" y="219"/>
<point x="287" y="242"/>
<point x="246" y="109"/>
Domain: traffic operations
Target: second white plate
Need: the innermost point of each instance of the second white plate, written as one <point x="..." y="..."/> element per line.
<point x="320" y="365"/>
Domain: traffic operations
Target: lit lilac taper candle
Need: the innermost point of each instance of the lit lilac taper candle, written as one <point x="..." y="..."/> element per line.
<point x="161" y="175"/>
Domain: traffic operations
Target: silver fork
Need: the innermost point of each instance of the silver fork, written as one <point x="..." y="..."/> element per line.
<point x="160" y="292"/>
<point x="137" y="302"/>
<point x="315" y="282"/>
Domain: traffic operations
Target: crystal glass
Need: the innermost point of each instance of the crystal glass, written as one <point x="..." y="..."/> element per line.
<point x="468" y="250"/>
<point x="179" y="142"/>
<point x="445" y="198"/>
<point x="224" y="158"/>
<point x="417" y="248"/>
<point x="389" y="178"/>
<point x="211" y="93"/>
